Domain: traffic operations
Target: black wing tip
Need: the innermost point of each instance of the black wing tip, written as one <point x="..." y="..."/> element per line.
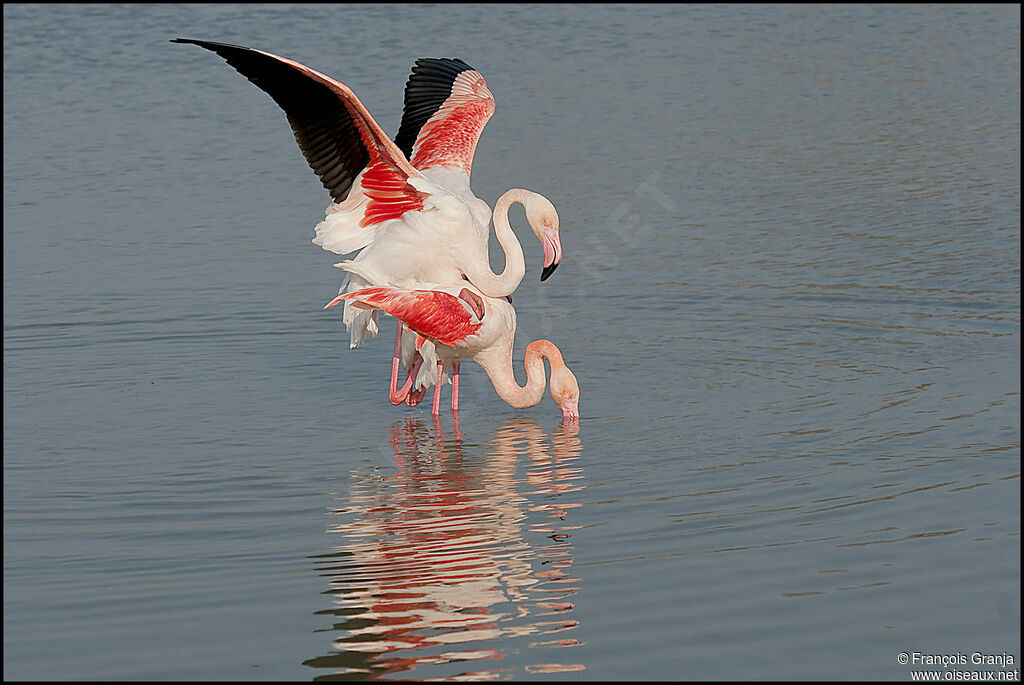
<point x="210" y="45"/>
<point x="446" y="63"/>
<point x="325" y="133"/>
<point x="193" y="41"/>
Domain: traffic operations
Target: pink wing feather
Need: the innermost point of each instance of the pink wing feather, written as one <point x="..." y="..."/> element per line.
<point x="447" y="105"/>
<point x="431" y="313"/>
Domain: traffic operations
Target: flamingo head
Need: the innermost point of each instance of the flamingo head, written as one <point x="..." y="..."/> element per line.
<point x="565" y="391"/>
<point x="544" y="221"/>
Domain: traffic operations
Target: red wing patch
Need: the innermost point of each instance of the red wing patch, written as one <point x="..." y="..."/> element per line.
<point x="431" y="313"/>
<point x="390" y="195"/>
<point x="450" y="136"/>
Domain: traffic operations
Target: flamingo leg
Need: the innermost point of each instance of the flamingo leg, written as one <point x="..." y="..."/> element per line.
<point x="455" y="426"/>
<point x="396" y="398"/>
<point x="436" y="410"/>
<point x="455" y="389"/>
<point x="405" y="394"/>
<point x="415" y="396"/>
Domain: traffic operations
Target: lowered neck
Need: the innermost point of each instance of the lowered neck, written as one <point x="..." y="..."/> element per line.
<point x="504" y="380"/>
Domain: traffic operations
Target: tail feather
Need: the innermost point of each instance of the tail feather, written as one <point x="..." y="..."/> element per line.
<point x="359" y="321"/>
<point x="427" y="376"/>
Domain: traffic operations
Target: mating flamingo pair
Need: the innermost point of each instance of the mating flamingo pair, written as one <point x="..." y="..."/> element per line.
<point x="422" y="234"/>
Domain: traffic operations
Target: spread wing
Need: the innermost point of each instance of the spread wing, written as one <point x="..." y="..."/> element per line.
<point x="335" y="132"/>
<point x="447" y="105"/>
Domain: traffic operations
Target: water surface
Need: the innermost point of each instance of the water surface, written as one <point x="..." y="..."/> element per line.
<point x="791" y="293"/>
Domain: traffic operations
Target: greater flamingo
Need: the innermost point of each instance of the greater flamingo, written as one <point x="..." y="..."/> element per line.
<point x="364" y="274"/>
<point x="406" y="204"/>
<point x="462" y="323"/>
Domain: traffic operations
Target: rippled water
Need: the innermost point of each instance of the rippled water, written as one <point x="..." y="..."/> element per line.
<point x="791" y="293"/>
<point x="456" y="555"/>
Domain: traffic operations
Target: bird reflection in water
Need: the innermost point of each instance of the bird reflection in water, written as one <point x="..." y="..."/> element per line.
<point x="457" y="558"/>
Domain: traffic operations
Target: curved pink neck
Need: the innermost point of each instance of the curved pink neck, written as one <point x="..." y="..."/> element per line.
<point x="504" y="380"/>
<point x="505" y="283"/>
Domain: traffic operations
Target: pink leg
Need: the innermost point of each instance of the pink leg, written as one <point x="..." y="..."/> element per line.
<point x="415" y="396"/>
<point x="396" y="398"/>
<point x="455" y="426"/>
<point x="406" y="392"/>
<point x="437" y="391"/>
<point x="455" y="388"/>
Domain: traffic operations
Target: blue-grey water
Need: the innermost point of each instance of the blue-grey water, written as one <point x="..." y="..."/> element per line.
<point x="790" y="292"/>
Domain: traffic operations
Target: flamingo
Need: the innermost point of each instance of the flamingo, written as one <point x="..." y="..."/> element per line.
<point x="364" y="272"/>
<point x="407" y="204"/>
<point x="463" y="323"/>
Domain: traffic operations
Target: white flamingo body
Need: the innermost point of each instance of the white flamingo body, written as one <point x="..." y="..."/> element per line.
<point x="397" y="258"/>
